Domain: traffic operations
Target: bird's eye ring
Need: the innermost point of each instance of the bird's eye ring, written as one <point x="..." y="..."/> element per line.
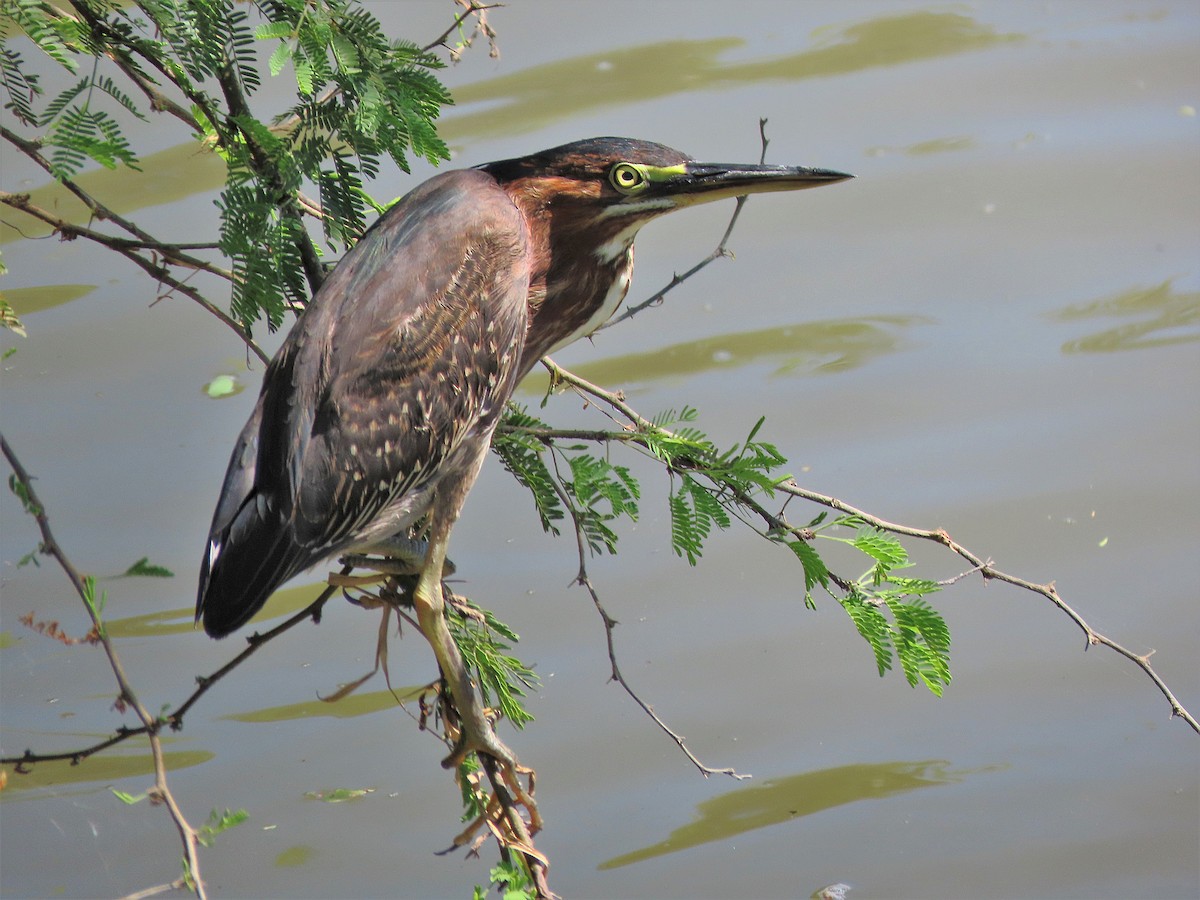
<point x="627" y="178"/>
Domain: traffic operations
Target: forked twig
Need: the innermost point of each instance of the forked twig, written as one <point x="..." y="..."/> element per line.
<point x="610" y="623"/>
<point x="721" y="250"/>
<point x="985" y="567"/>
<point x="161" y="792"/>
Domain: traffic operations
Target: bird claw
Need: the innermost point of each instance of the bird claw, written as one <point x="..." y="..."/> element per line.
<point x="395" y="555"/>
<point x="483" y="741"/>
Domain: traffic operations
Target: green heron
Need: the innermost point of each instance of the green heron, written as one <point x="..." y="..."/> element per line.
<point x="377" y="411"/>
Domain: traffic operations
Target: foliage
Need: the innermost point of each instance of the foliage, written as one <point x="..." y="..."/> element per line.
<point x="143" y="568"/>
<point x="522" y="453"/>
<point x="218" y="822"/>
<point x="360" y="97"/>
<point x="512" y="877"/>
<point x="481" y="639"/>
<point x="709" y="487"/>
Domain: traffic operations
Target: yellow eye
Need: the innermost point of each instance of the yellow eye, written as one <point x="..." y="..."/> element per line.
<point x="627" y="178"/>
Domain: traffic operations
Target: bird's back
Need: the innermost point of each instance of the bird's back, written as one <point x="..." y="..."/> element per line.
<point x="408" y="352"/>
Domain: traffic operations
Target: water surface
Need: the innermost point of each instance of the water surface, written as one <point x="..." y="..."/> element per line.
<point x="993" y="329"/>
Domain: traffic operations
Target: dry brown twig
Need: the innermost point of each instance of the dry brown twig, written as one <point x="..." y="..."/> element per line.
<point x="610" y="624"/>
<point x="479" y="11"/>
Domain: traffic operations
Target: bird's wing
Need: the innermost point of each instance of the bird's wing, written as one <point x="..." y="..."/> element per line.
<point x="409" y="348"/>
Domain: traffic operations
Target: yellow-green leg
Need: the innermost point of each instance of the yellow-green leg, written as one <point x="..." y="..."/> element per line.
<point x="477" y="733"/>
<point x="475" y="730"/>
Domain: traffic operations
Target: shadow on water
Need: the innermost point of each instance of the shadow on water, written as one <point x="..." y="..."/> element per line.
<point x="48" y="778"/>
<point x="348" y="707"/>
<point x="35" y="299"/>
<point x="806" y="348"/>
<point x="745" y="809"/>
<point x="542" y="94"/>
<point x="284" y="602"/>
<point x="1165" y="316"/>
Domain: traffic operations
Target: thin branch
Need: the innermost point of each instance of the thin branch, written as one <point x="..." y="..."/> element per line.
<point x="254" y="641"/>
<point x="470" y="8"/>
<point x="205" y="682"/>
<point x="177" y="885"/>
<point x="123" y="59"/>
<point x="156" y="270"/>
<point x="610" y="624"/>
<point x="987" y="570"/>
<point x="122" y="54"/>
<point x="161" y="792"/>
<point x="235" y="100"/>
<point x="32" y="149"/>
<point x="940" y="536"/>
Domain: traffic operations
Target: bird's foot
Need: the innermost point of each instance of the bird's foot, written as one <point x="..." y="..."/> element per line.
<point x="396" y="555"/>
<point x="501" y="764"/>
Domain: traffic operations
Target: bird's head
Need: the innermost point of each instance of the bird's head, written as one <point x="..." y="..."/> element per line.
<point x="584" y="204"/>
<point x="615" y="185"/>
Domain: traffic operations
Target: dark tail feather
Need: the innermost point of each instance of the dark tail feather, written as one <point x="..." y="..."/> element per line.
<point x="242" y="567"/>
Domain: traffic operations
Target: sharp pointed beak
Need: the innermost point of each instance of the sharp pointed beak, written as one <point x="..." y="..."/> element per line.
<point x="705" y="182"/>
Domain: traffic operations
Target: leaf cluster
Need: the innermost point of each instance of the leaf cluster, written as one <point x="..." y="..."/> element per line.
<point x="566" y="477"/>
<point x="484" y="642"/>
<point x="511" y="876"/>
<point x="360" y="98"/>
<point x="709" y="488"/>
<point x="891" y="614"/>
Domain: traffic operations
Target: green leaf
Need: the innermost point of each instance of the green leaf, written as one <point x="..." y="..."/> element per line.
<point x="922" y="644"/>
<point x="523" y="456"/>
<point x="502" y="677"/>
<point x="143" y="568"/>
<point x="883" y="547"/>
<point x="94" y="604"/>
<point x="815" y="572"/>
<point x="279" y="58"/>
<point x="219" y="822"/>
<point x="874" y="628"/>
<point x="224" y="386"/>
<point x="21" y="491"/>
<point x="271" y="30"/>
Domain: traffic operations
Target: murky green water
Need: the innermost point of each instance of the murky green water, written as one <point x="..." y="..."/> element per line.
<point x="992" y="330"/>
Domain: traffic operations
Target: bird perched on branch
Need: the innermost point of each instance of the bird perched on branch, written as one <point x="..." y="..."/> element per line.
<point x="377" y="411"/>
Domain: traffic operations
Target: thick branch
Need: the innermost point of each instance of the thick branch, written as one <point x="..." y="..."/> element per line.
<point x="235" y="99"/>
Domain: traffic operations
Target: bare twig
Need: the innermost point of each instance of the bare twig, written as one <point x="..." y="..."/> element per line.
<point x="161" y="792"/>
<point x="479" y="11"/>
<point x="610" y="624"/>
<point x="205" y="682"/>
<point x="156" y="269"/>
<point x="988" y="571"/>
<point x="122" y="53"/>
